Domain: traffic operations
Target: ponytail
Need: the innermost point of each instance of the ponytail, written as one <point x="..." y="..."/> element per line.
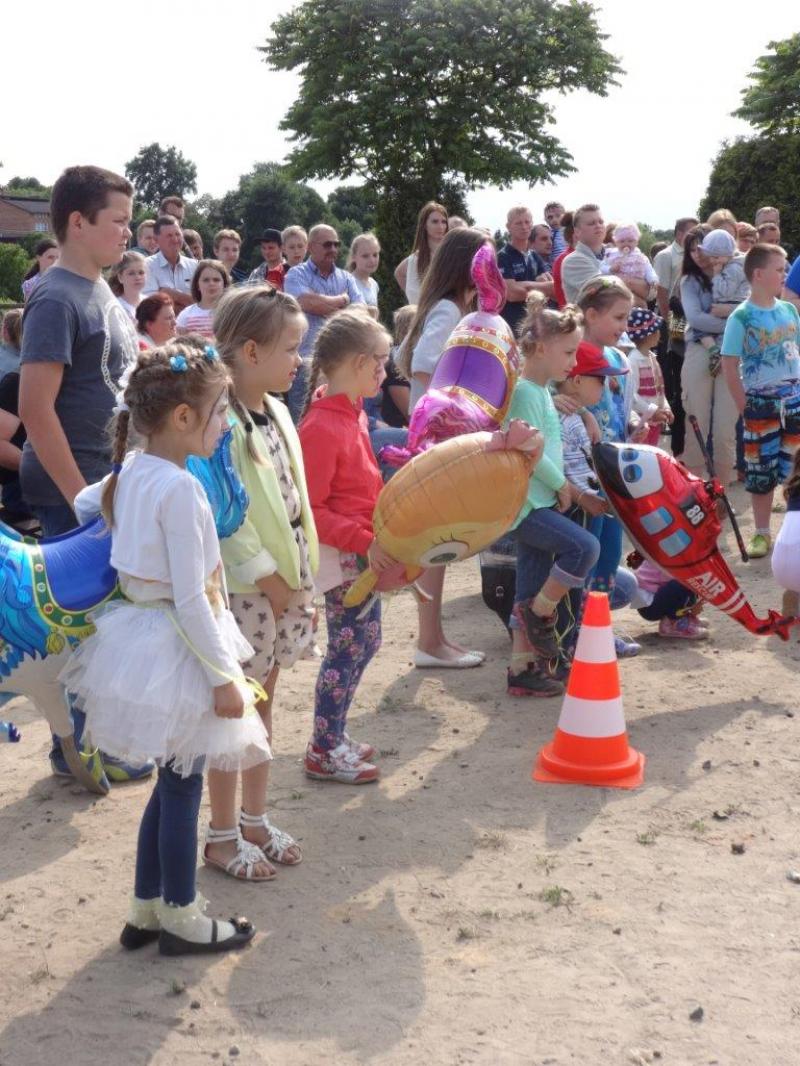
<point x="314" y="375"/>
<point x="247" y="424"/>
<point x="120" y="447"/>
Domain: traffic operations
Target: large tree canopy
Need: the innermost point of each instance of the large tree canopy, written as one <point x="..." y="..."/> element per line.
<point x="157" y="172"/>
<point x="772" y="102"/>
<point x="425" y="88"/>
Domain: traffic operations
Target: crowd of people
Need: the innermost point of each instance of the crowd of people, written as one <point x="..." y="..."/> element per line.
<point x="172" y="349"/>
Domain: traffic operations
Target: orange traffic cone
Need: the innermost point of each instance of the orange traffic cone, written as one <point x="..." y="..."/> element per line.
<point x="590" y="746"/>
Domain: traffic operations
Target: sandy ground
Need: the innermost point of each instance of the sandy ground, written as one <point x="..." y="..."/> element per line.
<point x="457" y="912"/>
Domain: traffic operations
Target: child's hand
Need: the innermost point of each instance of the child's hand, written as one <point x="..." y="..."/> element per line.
<point x="564" y="497"/>
<point x="564" y="405"/>
<point x="379" y="558"/>
<point x="640" y="433"/>
<point x="228" y="702"/>
<point x="593" y="504"/>
<point x="277" y="592"/>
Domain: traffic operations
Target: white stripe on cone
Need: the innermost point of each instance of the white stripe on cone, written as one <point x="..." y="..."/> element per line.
<point x="592" y="718"/>
<point x="595" y="645"/>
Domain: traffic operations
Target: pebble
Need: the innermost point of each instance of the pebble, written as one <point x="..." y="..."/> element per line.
<point x="793" y="876"/>
<point x="737" y="849"/>
<point x="195" y="1004"/>
<point x="707" y="764"/>
<point x="233" y="1051"/>
<point x="697" y="1015"/>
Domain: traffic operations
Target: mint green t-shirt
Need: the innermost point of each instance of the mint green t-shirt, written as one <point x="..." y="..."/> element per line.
<point x="534" y="405"/>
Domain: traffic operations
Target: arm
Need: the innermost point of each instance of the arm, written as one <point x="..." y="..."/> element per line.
<point x="662" y="299"/>
<point x="791" y="296"/>
<point x="321" y="451"/>
<point x="401" y="274"/>
<point x="10" y="454"/>
<point x="791" y="288"/>
<point x="246" y="558"/>
<point x="179" y="299"/>
<point x="730" y="368"/>
<point x="38" y="389"/>
<point x="638" y="287"/>
<point x="400" y="396"/>
<point x="313" y="303"/>
<point x="693" y="309"/>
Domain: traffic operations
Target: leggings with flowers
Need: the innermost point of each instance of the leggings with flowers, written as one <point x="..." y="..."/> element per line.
<point x="353" y="640"/>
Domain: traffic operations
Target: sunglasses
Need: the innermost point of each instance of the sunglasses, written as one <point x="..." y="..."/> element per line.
<point x="330" y="244"/>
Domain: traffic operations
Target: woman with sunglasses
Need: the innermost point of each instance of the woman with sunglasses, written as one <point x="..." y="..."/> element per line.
<point x="321" y="288"/>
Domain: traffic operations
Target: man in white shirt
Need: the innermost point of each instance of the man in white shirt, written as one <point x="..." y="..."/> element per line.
<point x="583" y="263"/>
<point x="168" y="270"/>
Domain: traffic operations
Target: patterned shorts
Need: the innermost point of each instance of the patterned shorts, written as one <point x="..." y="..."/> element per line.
<point x="274" y="645"/>
<point x="771" y="437"/>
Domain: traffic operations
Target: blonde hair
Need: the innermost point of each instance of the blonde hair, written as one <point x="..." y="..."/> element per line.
<point x="12" y="326"/>
<point x="344" y="335"/>
<point x="516" y="211"/>
<point x="541" y="322"/>
<point x="294" y="231"/>
<point x="252" y="313"/>
<point x="154" y="389"/>
<point x="115" y="273"/>
<point x="362" y="238"/>
<point x="600" y="293"/>
<point x="401" y="320"/>
<point x="226" y="234"/>
<point x="722" y="216"/>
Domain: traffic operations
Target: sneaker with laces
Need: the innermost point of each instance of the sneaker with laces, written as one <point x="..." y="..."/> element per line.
<point x="541" y="632"/>
<point x="364" y="751"/>
<point x="533" y="682"/>
<point x="685" y="628"/>
<point x="339" y="764"/>
<point x="759" y="546"/>
<point x="626" y="648"/>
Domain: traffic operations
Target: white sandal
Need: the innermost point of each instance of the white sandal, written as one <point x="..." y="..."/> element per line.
<point x="279" y="842"/>
<point x="247" y="856"/>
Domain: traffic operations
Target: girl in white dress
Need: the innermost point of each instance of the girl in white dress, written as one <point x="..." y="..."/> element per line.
<point x="160" y="678"/>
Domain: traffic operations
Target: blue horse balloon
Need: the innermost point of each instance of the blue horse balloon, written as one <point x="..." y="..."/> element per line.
<point x="51" y="588"/>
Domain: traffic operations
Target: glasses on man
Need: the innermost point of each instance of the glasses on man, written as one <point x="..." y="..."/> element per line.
<point x="327" y="245"/>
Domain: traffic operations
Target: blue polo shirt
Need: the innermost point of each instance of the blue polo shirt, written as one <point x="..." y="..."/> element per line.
<point x="305" y="278"/>
<point x="517" y="266"/>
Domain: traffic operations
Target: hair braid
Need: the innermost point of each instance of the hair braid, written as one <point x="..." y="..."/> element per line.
<point x="314" y="374"/>
<point x="247" y="424"/>
<point x="121" y="430"/>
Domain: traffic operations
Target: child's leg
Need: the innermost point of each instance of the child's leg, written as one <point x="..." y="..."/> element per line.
<point x="610" y="538"/>
<point x="147" y="884"/>
<point x="177" y="834"/>
<point x="669" y="601"/>
<point x="352" y="642"/>
<point x="762" y="453"/>
<point x="432" y="639"/>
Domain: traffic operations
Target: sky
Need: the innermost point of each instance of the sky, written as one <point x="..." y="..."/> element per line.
<point x="95" y="90"/>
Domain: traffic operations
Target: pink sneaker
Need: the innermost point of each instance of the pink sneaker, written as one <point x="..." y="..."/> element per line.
<point x="365" y="752"/>
<point x="339" y="764"/>
<point x="685" y="628"/>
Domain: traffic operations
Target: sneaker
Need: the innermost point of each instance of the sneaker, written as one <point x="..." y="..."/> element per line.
<point x="685" y="628"/>
<point x="541" y="632"/>
<point x="119" y="771"/>
<point x="365" y="752"/>
<point x="339" y="764"/>
<point x="759" y="546"/>
<point x="532" y="682"/>
<point x="626" y="649"/>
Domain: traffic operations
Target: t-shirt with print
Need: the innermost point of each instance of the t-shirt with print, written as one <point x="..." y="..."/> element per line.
<point x="80" y="324"/>
<point x="766" y="342"/>
<point x="516" y="266"/>
<point x="611" y="409"/>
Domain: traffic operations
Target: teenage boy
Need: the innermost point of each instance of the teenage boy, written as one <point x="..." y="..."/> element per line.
<point x="273" y="269"/>
<point x="76" y="343"/>
<point x="227" y="248"/>
<point x="761" y="363"/>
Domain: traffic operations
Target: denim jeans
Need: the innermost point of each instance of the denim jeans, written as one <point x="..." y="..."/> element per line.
<point x="353" y="639"/>
<point x="545" y="531"/>
<point x="380" y="438"/>
<point x="296" y="396"/>
<point x="608" y="531"/>
<point x="166" y="855"/>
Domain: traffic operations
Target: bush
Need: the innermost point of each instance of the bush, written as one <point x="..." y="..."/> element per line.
<point x="14" y="264"/>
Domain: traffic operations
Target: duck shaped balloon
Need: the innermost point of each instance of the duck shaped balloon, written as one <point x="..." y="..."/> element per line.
<point x="471" y="387"/>
<point x="49" y="590"/>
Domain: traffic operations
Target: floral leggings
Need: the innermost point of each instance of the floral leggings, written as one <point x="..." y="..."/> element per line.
<point x="352" y="642"/>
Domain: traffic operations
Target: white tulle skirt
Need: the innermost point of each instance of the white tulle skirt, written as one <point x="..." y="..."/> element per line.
<point x="146" y="694"/>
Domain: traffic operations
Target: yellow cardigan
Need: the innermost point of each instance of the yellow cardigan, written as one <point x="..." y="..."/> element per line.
<point x="264" y="544"/>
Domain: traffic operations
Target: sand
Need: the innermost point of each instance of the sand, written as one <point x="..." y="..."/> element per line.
<point x="456" y="912"/>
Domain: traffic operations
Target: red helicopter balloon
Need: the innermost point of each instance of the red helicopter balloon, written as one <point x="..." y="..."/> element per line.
<point x="671" y="516"/>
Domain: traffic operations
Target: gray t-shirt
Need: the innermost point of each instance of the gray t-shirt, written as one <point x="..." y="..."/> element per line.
<point x="81" y="324"/>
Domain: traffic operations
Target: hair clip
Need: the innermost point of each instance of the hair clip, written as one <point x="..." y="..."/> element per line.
<point x="178" y="364"/>
<point x="116" y="468"/>
<point x="211" y="354"/>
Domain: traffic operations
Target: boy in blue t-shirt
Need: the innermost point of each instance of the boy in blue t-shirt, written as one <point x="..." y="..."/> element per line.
<point x="761" y="362"/>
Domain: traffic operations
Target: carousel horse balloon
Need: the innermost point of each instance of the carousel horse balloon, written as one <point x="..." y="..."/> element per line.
<point x="49" y="590"/>
<point x="471" y="387"/>
<point x="671" y="517"/>
<point x="450" y="502"/>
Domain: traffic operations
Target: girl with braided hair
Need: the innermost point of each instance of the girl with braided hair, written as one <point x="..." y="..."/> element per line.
<point x="269" y="561"/>
<point x="160" y="678"/>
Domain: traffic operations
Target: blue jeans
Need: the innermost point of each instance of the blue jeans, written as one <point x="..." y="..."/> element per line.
<point x="547" y="532"/>
<point x="296" y="396"/>
<point x="380" y="438"/>
<point x="353" y="639"/>
<point x="608" y="531"/>
<point x="166" y="855"/>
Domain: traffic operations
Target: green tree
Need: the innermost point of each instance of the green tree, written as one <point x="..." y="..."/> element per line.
<point x="157" y="172"/>
<point x="752" y="171"/>
<point x="771" y="102"/>
<point x="13" y="265"/>
<point x="356" y="202"/>
<point x="425" y="99"/>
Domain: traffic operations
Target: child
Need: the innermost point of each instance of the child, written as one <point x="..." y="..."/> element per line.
<point x="760" y="343"/>
<point x="295" y="245"/>
<point x="209" y="282"/>
<point x="344" y="482"/>
<point x="549" y="342"/>
<point x="160" y="677"/>
<point x="194" y="242"/>
<point x="269" y="561"/>
<point x="649" y="400"/>
<point x="659" y="598"/>
<point x="786" y="555"/>
<point x="627" y="261"/>
<point x="387" y="413"/>
<point x="126" y="279"/>
<point x="729" y="286"/>
<point x="362" y="262"/>
<point x="45" y="256"/>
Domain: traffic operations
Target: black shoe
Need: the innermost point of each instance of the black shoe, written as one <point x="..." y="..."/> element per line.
<point x="541" y="632"/>
<point x="170" y="944"/>
<point x="557" y="668"/>
<point x="132" y="937"/>
<point x="532" y="682"/>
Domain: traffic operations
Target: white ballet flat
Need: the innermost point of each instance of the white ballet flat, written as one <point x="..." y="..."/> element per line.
<point x="466" y="661"/>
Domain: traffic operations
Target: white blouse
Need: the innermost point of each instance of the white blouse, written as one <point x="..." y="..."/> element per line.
<point x="440" y="322"/>
<point x="164" y="545"/>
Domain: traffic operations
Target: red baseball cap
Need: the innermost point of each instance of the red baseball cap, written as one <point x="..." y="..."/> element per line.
<point x="591" y="362"/>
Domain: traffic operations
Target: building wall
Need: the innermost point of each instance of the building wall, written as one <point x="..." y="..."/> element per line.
<point x="15" y="222"/>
